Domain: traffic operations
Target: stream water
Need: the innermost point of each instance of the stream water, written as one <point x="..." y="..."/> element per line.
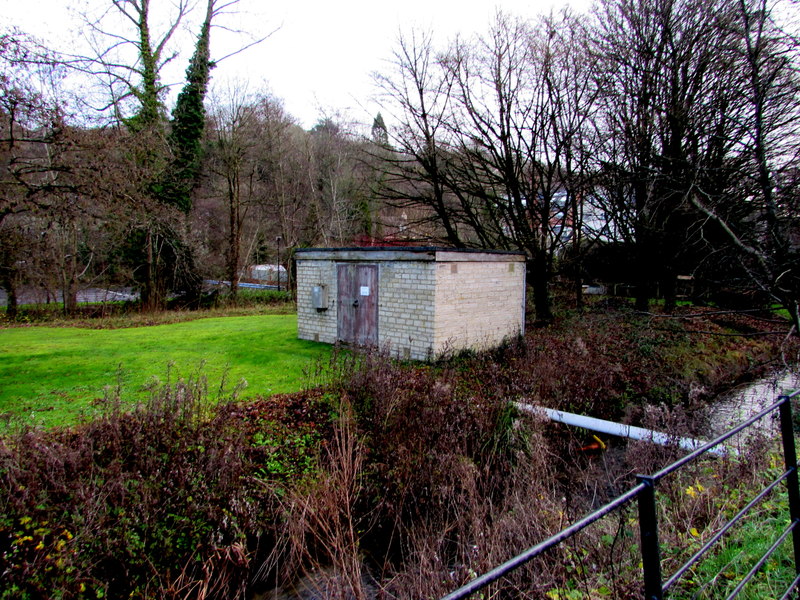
<point x="739" y="404"/>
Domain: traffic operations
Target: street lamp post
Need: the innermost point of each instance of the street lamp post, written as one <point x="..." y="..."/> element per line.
<point x="278" y="243"/>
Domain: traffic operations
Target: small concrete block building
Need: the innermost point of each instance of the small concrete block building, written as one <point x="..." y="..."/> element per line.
<point x="417" y="302"/>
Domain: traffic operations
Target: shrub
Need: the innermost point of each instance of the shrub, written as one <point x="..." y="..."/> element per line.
<point x="253" y="297"/>
<point x="153" y="503"/>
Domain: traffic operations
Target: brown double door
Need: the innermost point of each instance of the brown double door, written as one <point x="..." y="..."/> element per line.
<point x="357" y="304"/>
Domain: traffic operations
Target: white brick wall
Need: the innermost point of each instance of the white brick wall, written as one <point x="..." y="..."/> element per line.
<point x="406" y="308"/>
<point x="426" y="306"/>
<point x="478" y="304"/>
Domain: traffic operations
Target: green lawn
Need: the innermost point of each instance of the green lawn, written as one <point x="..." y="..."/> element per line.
<point x="55" y="374"/>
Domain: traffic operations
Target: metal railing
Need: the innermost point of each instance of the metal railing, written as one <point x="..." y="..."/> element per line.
<point x="645" y="491"/>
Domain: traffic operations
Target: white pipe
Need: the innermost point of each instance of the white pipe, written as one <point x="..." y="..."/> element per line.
<point x="618" y="429"/>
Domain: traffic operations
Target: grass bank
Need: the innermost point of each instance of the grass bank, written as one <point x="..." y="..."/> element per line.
<point x="399" y="480"/>
<point x="57" y="373"/>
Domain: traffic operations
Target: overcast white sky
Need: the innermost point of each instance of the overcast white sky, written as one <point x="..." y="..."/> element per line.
<point x="322" y="52"/>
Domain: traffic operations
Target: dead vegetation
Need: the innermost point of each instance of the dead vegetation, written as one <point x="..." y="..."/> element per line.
<point x="384" y="480"/>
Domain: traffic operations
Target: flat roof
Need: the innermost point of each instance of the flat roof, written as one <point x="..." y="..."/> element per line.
<point x="418" y="253"/>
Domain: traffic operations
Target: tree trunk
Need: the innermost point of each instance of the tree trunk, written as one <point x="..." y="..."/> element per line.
<point x="669" y="289"/>
<point x="153" y="295"/>
<point x="642" y="297"/>
<point x="577" y="225"/>
<point x="578" y="293"/>
<point x="12" y="303"/>
<point x="794" y="311"/>
<point x="70" y="297"/>
<point x="645" y="262"/>
<point x="235" y="234"/>
<point x="538" y="276"/>
<point x="69" y="284"/>
<point x="148" y="287"/>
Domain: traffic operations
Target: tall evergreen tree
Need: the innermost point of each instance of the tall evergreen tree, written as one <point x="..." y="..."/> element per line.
<point x="380" y="135"/>
<point x="188" y="123"/>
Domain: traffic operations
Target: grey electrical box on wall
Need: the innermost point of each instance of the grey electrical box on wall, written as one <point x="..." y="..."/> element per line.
<point x="319" y="297"/>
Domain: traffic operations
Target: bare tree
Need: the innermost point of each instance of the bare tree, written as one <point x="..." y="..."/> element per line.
<point x="37" y="151"/>
<point x="757" y="215"/>
<point x="492" y="137"/>
<point x="507" y="165"/>
<point x="418" y="92"/>
<point x="700" y="116"/>
<point x="281" y="187"/>
<point x="673" y="120"/>
<point x="336" y="181"/>
<point x="233" y="143"/>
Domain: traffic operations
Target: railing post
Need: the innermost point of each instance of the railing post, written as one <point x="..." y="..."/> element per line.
<point x="648" y="530"/>
<point x="790" y="459"/>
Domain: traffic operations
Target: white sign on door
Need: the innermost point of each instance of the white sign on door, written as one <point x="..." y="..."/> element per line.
<point x="365" y="290"/>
